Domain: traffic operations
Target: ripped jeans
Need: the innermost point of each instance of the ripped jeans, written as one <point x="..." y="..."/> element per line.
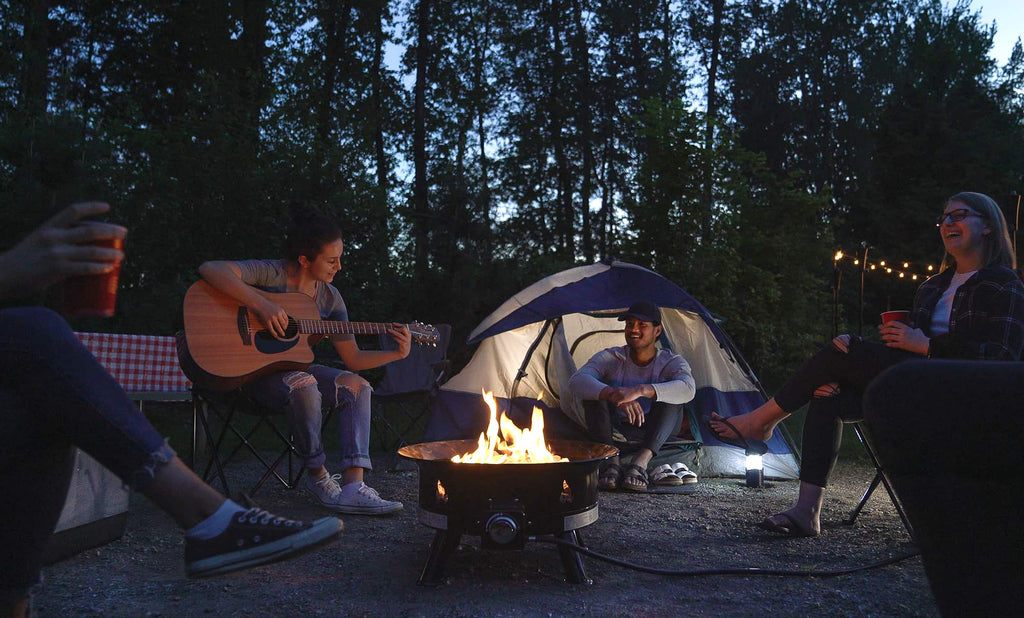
<point x="54" y="395"/>
<point x="304" y="395"/>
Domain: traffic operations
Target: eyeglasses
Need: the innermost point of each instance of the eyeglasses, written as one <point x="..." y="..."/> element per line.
<point x="955" y="216"/>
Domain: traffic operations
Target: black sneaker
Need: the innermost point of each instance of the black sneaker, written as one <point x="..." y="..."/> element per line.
<point x="256" y="537"/>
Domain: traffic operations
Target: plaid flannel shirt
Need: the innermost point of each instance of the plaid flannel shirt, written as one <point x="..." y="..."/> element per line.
<point x="986" y="321"/>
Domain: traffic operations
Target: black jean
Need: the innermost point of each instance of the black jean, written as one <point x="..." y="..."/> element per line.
<point x="659" y="423"/>
<point x="823" y="428"/>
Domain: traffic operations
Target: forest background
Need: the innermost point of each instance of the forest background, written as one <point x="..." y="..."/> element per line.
<point x="471" y="147"/>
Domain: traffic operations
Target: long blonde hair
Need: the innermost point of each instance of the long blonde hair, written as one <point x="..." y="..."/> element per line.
<point x="996" y="247"/>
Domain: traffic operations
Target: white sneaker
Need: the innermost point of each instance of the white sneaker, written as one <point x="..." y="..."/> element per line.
<point x="361" y="499"/>
<point x="355" y="498"/>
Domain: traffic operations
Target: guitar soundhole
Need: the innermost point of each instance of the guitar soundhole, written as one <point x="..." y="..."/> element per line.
<point x="267" y="343"/>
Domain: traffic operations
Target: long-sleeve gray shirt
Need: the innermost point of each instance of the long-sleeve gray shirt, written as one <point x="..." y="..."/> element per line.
<point x="668" y="373"/>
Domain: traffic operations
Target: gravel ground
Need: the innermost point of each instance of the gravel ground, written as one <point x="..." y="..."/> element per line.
<point x="373" y="569"/>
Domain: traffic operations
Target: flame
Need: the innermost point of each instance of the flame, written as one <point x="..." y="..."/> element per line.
<point x="503" y="442"/>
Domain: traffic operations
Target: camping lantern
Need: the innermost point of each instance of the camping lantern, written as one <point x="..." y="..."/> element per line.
<point x="755" y="470"/>
<point x="755" y="462"/>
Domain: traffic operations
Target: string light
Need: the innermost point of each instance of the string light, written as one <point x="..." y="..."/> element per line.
<point x="908" y="272"/>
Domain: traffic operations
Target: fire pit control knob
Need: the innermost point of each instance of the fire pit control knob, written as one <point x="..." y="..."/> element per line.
<point x="502" y="528"/>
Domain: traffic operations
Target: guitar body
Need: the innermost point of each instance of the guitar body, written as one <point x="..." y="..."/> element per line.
<point x="226" y="345"/>
<point x="230" y="346"/>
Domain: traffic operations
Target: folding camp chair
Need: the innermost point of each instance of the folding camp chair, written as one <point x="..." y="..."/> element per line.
<point x="227" y="423"/>
<point x="402" y="400"/>
<point x="880" y="477"/>
<point x="854" y="416"/>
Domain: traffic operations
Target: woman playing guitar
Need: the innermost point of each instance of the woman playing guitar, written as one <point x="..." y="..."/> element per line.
<point x="312" y="258"/>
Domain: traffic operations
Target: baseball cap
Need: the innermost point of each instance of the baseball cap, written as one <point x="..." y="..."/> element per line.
<point x="643" y="310"/>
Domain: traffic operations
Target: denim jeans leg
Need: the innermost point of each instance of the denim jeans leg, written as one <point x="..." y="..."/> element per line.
<point x="34" y="492"/>
<point x="354" y="427"/>
<point x="69" y="398"/>
<point x="54" y="395"/>
<point x="296" y="394"/>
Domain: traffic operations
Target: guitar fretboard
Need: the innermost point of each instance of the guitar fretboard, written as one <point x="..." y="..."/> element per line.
<point x="325" y="327"/>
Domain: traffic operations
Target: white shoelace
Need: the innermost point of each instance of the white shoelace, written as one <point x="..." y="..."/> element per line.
<point x="330" y="485"/>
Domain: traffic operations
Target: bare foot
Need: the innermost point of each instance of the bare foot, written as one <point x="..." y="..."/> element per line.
<point x="794" y="522"/>
<point x="750" y="425"/>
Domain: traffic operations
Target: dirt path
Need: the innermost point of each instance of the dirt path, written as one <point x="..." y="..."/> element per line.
<point x="373" y="569"/>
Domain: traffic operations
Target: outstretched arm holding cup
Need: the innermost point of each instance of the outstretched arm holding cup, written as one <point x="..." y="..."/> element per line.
<point x="54" y="395"/>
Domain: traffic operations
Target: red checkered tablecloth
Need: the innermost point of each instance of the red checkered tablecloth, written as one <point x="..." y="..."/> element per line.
<point x="140" y="363"/>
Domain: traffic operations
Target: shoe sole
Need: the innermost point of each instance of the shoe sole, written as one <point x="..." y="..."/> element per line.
<point x="320" y="532"/>
<point x="362" y="510"/>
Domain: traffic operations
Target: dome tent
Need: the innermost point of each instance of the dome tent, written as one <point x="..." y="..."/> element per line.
<point x="532" y="344"/>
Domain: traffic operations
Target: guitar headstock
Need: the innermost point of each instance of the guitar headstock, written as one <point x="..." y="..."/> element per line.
<point x="424" y="334"/>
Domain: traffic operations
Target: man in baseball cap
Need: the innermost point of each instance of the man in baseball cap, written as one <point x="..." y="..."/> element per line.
<point x="639" y="390"/>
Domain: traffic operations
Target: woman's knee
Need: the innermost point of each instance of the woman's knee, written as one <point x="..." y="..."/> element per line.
<point x="352" y="382"/>
<point x="302" y="390"/>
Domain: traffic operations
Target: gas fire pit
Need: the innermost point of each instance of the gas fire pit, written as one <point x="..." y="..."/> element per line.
<point x="506" y="503"/>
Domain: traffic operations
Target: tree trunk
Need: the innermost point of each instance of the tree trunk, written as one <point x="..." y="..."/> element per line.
<point x="586" y="118"/>
<point x="712" y="113"/>
<point x="420" y="198"/>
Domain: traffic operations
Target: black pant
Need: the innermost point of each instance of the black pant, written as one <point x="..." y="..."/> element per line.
<point x="823" y="428"/>
<point x="659" y="423"/>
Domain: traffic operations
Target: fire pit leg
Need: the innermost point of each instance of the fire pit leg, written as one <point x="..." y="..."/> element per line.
<point x="441" y="548"/>
<point x="572" y="561"/>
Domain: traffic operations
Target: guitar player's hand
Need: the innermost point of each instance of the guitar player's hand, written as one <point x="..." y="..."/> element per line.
<point x="273" y="317"/>
<point x="400" y="333"/>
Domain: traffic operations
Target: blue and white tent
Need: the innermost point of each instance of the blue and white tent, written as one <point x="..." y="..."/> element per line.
<point x="533" y="343"/>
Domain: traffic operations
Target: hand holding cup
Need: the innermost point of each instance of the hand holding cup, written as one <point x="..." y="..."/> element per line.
<point x="62" y="248"/>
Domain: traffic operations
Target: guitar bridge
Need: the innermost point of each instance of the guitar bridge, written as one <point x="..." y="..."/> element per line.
<point x="243" y="326"/>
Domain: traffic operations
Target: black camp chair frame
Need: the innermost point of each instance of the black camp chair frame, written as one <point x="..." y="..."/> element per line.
<point x="227" y="408"/>
<point x="879" y="478"/>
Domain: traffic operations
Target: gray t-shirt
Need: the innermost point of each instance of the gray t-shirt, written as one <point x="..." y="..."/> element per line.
<point x="270" y="276"/>
<point x="668" y="373"/>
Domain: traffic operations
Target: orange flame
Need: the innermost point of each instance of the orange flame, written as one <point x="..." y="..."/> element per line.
<point x="503" y="442"/>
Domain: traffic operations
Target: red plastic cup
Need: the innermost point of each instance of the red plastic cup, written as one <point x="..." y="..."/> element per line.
<point x="94" y="295"/>
<point x="895" y="316"/>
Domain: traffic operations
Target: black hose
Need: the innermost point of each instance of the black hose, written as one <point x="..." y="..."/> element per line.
<point x="733" y="571"/>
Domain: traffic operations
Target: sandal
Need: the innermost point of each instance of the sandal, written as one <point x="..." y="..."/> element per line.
<point x="636" y="473"/>
<point x="684" y="474"/>
<point x="665" y="475"/>
<point x="748" y="444"/>
<point x="608" y="480"/>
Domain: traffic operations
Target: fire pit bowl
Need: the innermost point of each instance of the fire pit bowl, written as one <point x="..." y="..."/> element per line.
<point x="506" y="503"/>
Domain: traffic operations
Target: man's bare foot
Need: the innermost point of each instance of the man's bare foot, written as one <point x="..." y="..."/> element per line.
<point x="749" y="425"/>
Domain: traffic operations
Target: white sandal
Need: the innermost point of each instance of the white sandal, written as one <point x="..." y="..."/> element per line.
<point x="684" y="474"/>
<point x="665" y="475"/>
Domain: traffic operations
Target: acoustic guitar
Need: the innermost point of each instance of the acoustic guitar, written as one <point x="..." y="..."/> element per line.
<point x="226" y="344"/>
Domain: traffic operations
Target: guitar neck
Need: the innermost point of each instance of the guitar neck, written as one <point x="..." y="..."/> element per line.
<point x="328" y="327"/>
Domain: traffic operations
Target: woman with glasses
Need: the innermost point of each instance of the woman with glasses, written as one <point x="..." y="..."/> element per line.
<point x="972" y="309"/>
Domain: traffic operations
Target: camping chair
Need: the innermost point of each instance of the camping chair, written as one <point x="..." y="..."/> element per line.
<point x="852" y="414"/>
<point x="228" y="423"/>
<point x="880" y="477"/>
<point x="402" y="400"/>
<point x="232" y="421"/>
